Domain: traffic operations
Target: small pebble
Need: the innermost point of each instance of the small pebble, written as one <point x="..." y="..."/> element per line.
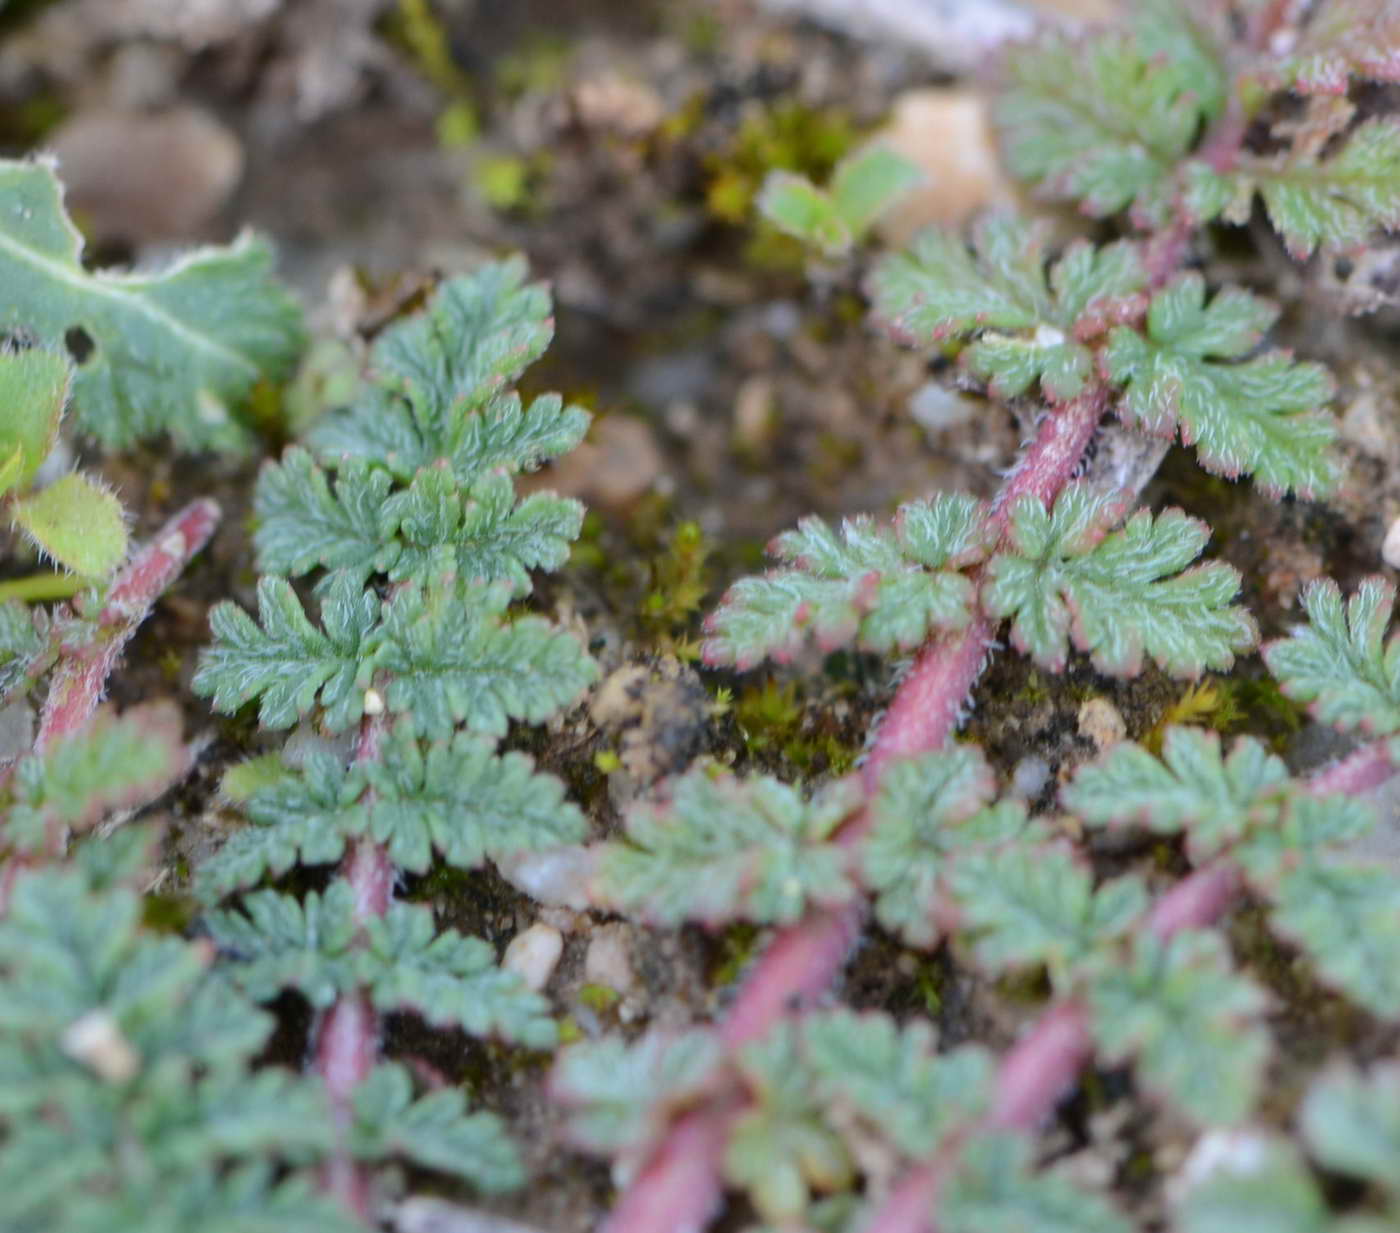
<point x="534" y="955"/>
<point x="97" y="1042"/>
<point x="1100" y="721"/>
<point x="609" y="960"/>
<point x="1390" y="549"/>
<point x="1029" y="778"/>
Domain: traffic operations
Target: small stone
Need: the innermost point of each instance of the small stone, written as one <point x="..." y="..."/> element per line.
<point x="95" y="1039"/>
<point x="609" y="959"/>
<point x="374" y="702"/>
<point x="534" y="954"/>
<point x="1390" y="548"/>
<point x="556" y="876"/>
<point x="1100" y="721"/>
<point x="1029" y="777"/>
<point x="615" y="104"/>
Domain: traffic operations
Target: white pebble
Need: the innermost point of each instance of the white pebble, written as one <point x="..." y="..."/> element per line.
<point x="1101" y="722"/>
<point x="1390" y="549"/>
<point x="609" y="960"/>
<point x="95" y="1039"/>
<point x="534" y="954"/>
<point x="1029" y="778"/>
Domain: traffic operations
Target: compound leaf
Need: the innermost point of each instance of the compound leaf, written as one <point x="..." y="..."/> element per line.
<point x="1263" y="416"/>
<point x="930" y="810"/>
<point x="175" y="351"/>
<point x="284" y="661"/>
<point x="1118" y="596"/>
<point x="1191" y="1023"/>
<point x="723" y="848"/>
<point x="434" y="1131"/>
<point x="881" y="587"/>
<point x="1339" y="662"/>
<point x="996" y="1187"/>
<point x="1343" y="38"/>
<point x="1215" y="799"/>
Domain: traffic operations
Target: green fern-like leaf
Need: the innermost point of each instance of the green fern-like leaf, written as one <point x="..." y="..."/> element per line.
<point x="619" y="1096"/>
<point x="284" y="661"/>
<point x="1106" y="119"/>
<point x="929" y="811"/>
<point x="881" y="587"/>
<point x="434" y="1131"/>
<point x="996" y="1187"/>
<point x="1342" y="39"/>
<point x="22" y="642"/>
<point x="1119" y="596"/>
<point x="1194" y="788"/>
<point x="1191" y="1023"/>
<point x="1340" y="662"/>
<point x="1023" y="905"/>
<point x="452" y="659"/>
<point x="1261" y="416"/>
<point x="1029" y="328"/>
<point x="723" y="848"/>
<point x="175" y="351"/>
<point x="893" y="1080"/>
<point x="312" y="945"/>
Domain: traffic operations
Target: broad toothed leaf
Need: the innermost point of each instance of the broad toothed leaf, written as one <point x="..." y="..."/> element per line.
<point x="996" y="1187"/>
<point x="1194" y="788"/>
<point x="619" y="1096"/>
<point x="882" y="587"/>
<point x="1105" y="120"/>
<point x="1023" y="905"/>
<point x="1029" y="328"/>
<point x="76" y="522"/>
<point x="1263" y="416"/>
<point x="454" y="658"/>
<point x="1261" y="1188"/>
<point x="113" y="763"/>
<point x="1340" y="662"/>
<point x="172" y="351"/>
<point x="284" y="661"/>
<point x="1191" y="1023"/>
<point x="1118" y="597"/>
<point x="405" y="963"/>
<point x="893" y="1080"/>
<point x="782" y="1146"/>
<point x="1351" y="1123"/>
<point x="929" y="811"/>
<point x="434" y="1131"/>
<point x="722" y="848"/>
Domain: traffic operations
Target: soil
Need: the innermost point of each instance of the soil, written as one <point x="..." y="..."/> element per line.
<point x="730" y="392"/>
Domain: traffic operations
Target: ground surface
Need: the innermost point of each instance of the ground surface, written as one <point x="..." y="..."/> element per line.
<point x="616" y="144"/>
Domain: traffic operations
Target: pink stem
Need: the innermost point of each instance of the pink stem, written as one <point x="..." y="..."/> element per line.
<point x="347" y="1042"/>
<point x="1041" y="1067"/>
<point x="1196" y="901"/>
<point x="1359" y="772"/>
<point x="1053" y="457"/>
<point x="679" y="1190"/>
<point x="82" y="671"/>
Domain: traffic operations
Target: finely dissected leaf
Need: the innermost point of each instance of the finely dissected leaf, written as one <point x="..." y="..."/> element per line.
<point x="1315" y="825"/>
<point x="1023" y="905"/>
<point x="723" y="848"/>
<point x="1351" y="1123"/>
<point x="1191" y="1023"/>
<point x="174" y="351"/>
<point x="1119" y="596"/>
<point x="1335" y="202"/>
<point x="284" y="661"/>
<point x="1105" y="120"/>
<point x="892" y="1078"/>
<point x="883" y="587"/>
<point x="995" y="1187"/>
<point x="304" y="813"/>
<point x="1214" y="799"/>
<point x="434" y="1131"/>
<point x="940" y="289"/>
<point x="452" y="659"/>
<point x="33" y="392"/>
<point x="1340" y="662"/>
<point x="405" y="963"/>
<point x="1262" y="1187"/>
<point x="465" y="802"/>
<point x="77" y="523"/>
<point x="112" y="764"/>
<point x="783" y="1146"/>
<point x="1263" y="416"/>
<point x="620" y="1096"/>
<point x="929" y="811"/>
<point x="21" y="643"/>
<point x="1343" y="38"/>
<point x="1343" y="916"/>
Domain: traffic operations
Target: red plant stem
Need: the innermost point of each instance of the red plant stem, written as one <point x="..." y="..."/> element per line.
<point x="82" y="670"/>
<point x="1053" y="457"/>
<point x="1367" y="768"/>
<point x="347" y="1042"/>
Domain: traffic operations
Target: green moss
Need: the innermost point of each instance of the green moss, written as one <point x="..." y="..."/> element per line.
<point x="599" y="998"/>
<point x="774" y="724"/>
<point x="736" y="948"/>
<point x="678" y="584"/>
